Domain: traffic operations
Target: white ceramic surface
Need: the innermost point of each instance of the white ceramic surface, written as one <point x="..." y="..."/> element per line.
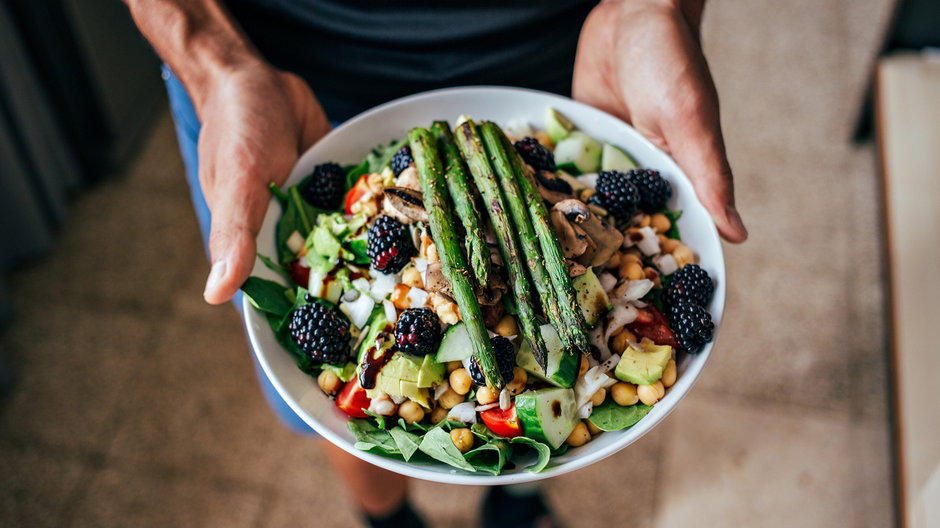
<point x="349" y="143"/>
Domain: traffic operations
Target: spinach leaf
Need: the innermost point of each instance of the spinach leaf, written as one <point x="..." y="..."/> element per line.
<point x="299" y="216"/>
<point x="371" y="438"/>
<point x="357" y="249"/>
<point x="612" y="417"/>
<point x="673" y="229"/>
<point x="543" y="451"/>
<point x="407" y="442"/>
<point x="278" y="193"/>
<point x="353" y="172"/>
<point x="276" y="268"/>
<point x="267" y="296"/>
<point x="438" y="445"/>
<point x="490" y="457"/>
<point x="379" y="419"/>
<point x="413" y="426"/>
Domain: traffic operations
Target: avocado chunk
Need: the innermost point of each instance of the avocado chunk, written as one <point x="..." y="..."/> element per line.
<point x="377" y="324"/>
<point x="643" y="365"/>
<point x="409" y="376"/>
<point x="556" y="125"/>
<point x="591" y="297"/>
<point x="431" y="372"/>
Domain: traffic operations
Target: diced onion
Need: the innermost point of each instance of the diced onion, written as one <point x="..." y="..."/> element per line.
<point x="391" y="314"/>
<point x="622" y="315"/>
<point x="488" y="406"/>
<point x="589" y="180"/>
<point x="505" y="399"/>
<point x="417" y="297"/>
<point x="295" y="242"/>
<point x="633" y="290"/>
<point x="584" y="412"/>
<point x="517" y="128"/>
<point x="362" y="284"/>
<point x="608" y="281"/>
<point x="666" y="263"/>
<point x="398" y="399"/>
<point x="649" y="244"/>
<point x="594" y="379"/>
<point x="359" y="310"/>
<point x="464" y="412"/>
<point x="382" y="284"/>
<point x="441" y="389"/>
<point x="597" y="339"/>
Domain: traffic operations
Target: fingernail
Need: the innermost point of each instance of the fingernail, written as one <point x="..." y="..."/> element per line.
<point x="735" y="218"/>
<point x="215" y="276"/>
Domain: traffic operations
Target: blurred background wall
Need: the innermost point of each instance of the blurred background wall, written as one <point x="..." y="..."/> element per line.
<point x="135" y="404"/>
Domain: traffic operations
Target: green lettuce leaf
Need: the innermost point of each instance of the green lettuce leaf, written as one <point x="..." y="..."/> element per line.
<point x="612" y="417"/>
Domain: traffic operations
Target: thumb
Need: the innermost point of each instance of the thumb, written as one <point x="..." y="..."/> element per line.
<point x="235" y="220"/>
<point x="696" y="143"/>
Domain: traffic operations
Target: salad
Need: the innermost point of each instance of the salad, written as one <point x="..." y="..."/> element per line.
<point x="476" y="295"/>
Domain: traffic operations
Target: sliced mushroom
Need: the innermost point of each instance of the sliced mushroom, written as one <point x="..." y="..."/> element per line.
<point x="574" y="241"/>
<point x="575" y="269"/>
<point x="552" y="188"/>
<point x="494" y="291"/>
<point x="435" y="281"/>
<point x="404" y="204"/>
<point x="409" y="179"/>
<point x="604" y="239"/>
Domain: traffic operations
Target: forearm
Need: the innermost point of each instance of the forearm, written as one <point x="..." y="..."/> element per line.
<point x="199" y="40"/>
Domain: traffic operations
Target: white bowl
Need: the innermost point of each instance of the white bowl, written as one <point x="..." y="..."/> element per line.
<point x="349" y="143"/>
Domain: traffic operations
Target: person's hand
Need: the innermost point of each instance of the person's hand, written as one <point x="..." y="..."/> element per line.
<point x="256" y="121"/>
<point x="642" y="61"/>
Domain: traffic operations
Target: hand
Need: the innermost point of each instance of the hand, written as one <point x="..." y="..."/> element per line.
<point x="256" y="121"/>
<point x="642" y="61"/>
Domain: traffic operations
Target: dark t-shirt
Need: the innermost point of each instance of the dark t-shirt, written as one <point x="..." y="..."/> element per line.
<point x="356" y="54"/>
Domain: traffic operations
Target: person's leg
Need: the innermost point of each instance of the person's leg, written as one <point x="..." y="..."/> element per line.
<point x="380" y="493"/>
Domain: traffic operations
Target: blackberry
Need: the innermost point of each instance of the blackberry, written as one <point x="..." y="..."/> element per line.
<point x="617" y="194"/>
<point x="692" y="324"/>
<point x="325" y="187"/>
<point x="690" y="284"/>
<point x="552" y="182"/>
<point x="402" y="160"/>
<point x="418" y="331"/>
<point x="535" y="154"/>
<point x="321" y="333"/>
<point x="505" y="358"/>
<point x="654" y="189"/>
<point x="390" y="246"/>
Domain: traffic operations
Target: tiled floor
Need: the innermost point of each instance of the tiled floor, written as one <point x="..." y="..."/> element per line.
<point x="136" y="404"/>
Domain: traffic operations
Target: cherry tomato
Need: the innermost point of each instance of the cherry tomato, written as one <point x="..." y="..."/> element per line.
<point x="299" y="272"/>
<point x="352" y="399"/>
<point x="653" y="326"/>
<point x="504" y="423"/>
<point x="356" y="192"/>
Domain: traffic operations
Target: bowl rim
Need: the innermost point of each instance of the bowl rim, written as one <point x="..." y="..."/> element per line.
<point x="455" y="476"/>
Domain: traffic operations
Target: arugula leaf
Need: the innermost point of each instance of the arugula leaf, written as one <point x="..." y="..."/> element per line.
<point x="407" y="442"/>
<point x="612" y="417"/>
<point x="543" y="451"/>
<point x="490" y="457"/>
<point x="371" y="438"/>
<point x="438" y="445"/>
<point x="673" y="229"/>
<point x="267" y="296"/>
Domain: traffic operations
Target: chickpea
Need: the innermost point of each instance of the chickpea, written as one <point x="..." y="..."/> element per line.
<point x="586" y="194"/>
<point x="450" y="399"/>
<point x="652" y="275"/>
<point x="584" y="366"/>
<point x="624" y="394"/>
<point x="544" y="139"/>
<point x="460" y="381"/>
<point x="519" y="379"/>
<point x="431" y="253"/>
<point x="660" y="223"/>
<point x="593" y="429"/>
<point x="438" y="415"/>
<point x="645" y="220"/>
<point x="453" y="365"/>
<point x="412" y="277"/>
<point x="648" y="394"/>
<point x="507" y="326"/>
<point x="599" y="396"/>
<point x="462" y="439"/>
<point x="400" y="296"/>
<point x="579" y="436"/>
<point x="329" y="382"/>
<point x="619" y="342"/>
<point x="411" y="412"/>
<point x="635" y="252"/>
<point x="486" y="395"/>
<point x="683" y="255"/>
<point x="631" y="257"/>
<point x="670" y="244"/>
<point x="631" y="270"/>
<point x="384" y="406"/>
<point x="660" y="389"/>
<point x="614" y="262"/>
<point x="669" y="374"/>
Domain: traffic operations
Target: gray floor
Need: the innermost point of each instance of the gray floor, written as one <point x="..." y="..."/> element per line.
<point x="137" y="405"/>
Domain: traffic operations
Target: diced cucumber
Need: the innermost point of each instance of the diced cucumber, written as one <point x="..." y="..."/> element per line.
<point x="591" y="297"/>
<point x="556" y="125"/>
<point x="580" y="151"/>
<point x="548" y="415"/>
<point x="562" y="365"/>
<point x="456" y="345"/>
<point x="613" y="158"/>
